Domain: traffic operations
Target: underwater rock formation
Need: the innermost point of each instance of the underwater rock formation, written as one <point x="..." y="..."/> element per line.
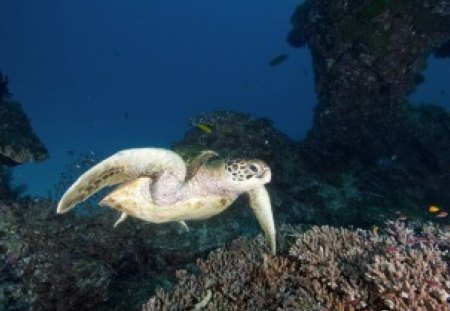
<point x="326" y="268"/>
<point x="367" y="56"/>
<point x="18" y="142"/>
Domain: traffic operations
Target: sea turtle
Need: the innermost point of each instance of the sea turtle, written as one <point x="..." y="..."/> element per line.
<point x="157" y="186"/>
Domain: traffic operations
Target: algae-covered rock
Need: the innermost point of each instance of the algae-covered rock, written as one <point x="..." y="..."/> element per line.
<point x="368" y="56"/>
<point x="18" y="142"/>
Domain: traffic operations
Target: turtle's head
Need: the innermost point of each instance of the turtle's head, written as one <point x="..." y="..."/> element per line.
<point x="244" y="175"/>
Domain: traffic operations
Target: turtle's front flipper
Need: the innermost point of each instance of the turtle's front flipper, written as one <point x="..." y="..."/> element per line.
<point x="120" y="167"/>
<point x="260" y="203"/>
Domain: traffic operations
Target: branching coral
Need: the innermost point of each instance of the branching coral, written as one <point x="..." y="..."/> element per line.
<point x="327" y="269"/>
<point x="412" y="273"/>
<point x="398" y="270"/>
<point x="241" y="277"/>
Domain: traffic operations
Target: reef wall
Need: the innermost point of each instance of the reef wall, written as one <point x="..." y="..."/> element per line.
<point x="368" y="55"/>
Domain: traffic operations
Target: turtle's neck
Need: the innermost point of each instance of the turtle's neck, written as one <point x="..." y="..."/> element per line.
<point x="207" y="182"/>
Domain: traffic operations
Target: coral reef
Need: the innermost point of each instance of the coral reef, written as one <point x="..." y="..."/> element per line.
<point x="240" y="277"/>
<point x="401" y="269"/>
<point x="79" y="262"/>
<point x="326" y="269"/>
<point x="45" y="258"/>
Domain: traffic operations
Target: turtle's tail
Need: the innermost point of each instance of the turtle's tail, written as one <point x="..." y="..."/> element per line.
<point x="118" y="168"/>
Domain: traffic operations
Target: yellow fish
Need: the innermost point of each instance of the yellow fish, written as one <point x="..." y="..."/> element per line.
<point x="205" y="128"/>
<point x="433" y="209"/>
<point x="375" y="229"/>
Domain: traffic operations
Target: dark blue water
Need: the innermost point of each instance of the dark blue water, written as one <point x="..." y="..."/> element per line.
<point x="106" y="75"/>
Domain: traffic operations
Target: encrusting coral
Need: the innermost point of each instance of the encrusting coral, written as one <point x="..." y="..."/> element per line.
<point x="327" y="268"/>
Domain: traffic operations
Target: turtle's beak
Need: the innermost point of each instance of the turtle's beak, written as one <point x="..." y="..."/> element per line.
<point x="266" y="175"/>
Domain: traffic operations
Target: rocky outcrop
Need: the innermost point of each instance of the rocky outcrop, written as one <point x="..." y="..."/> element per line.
<point x="18" y="142"/>
<point x="368" y="144"/>
<point x="368" y="56"/>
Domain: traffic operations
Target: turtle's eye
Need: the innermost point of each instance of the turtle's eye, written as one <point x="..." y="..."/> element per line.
<point x="253" y="168"/>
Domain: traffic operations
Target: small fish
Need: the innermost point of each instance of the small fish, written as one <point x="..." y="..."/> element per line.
<point x="126" y="115"/>
<point x="433" y="209"/>
<point x="278" y="60"/>
<point x="70" y="152"/>
<point x="442" y="214"/>
<point x="205" y="128"/>
<point x="375" y="229"/>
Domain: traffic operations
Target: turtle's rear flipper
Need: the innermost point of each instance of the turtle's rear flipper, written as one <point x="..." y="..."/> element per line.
<point x="122" y="217"/>
<point x="184" y="225"/>
<point x="120" y="167"/>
